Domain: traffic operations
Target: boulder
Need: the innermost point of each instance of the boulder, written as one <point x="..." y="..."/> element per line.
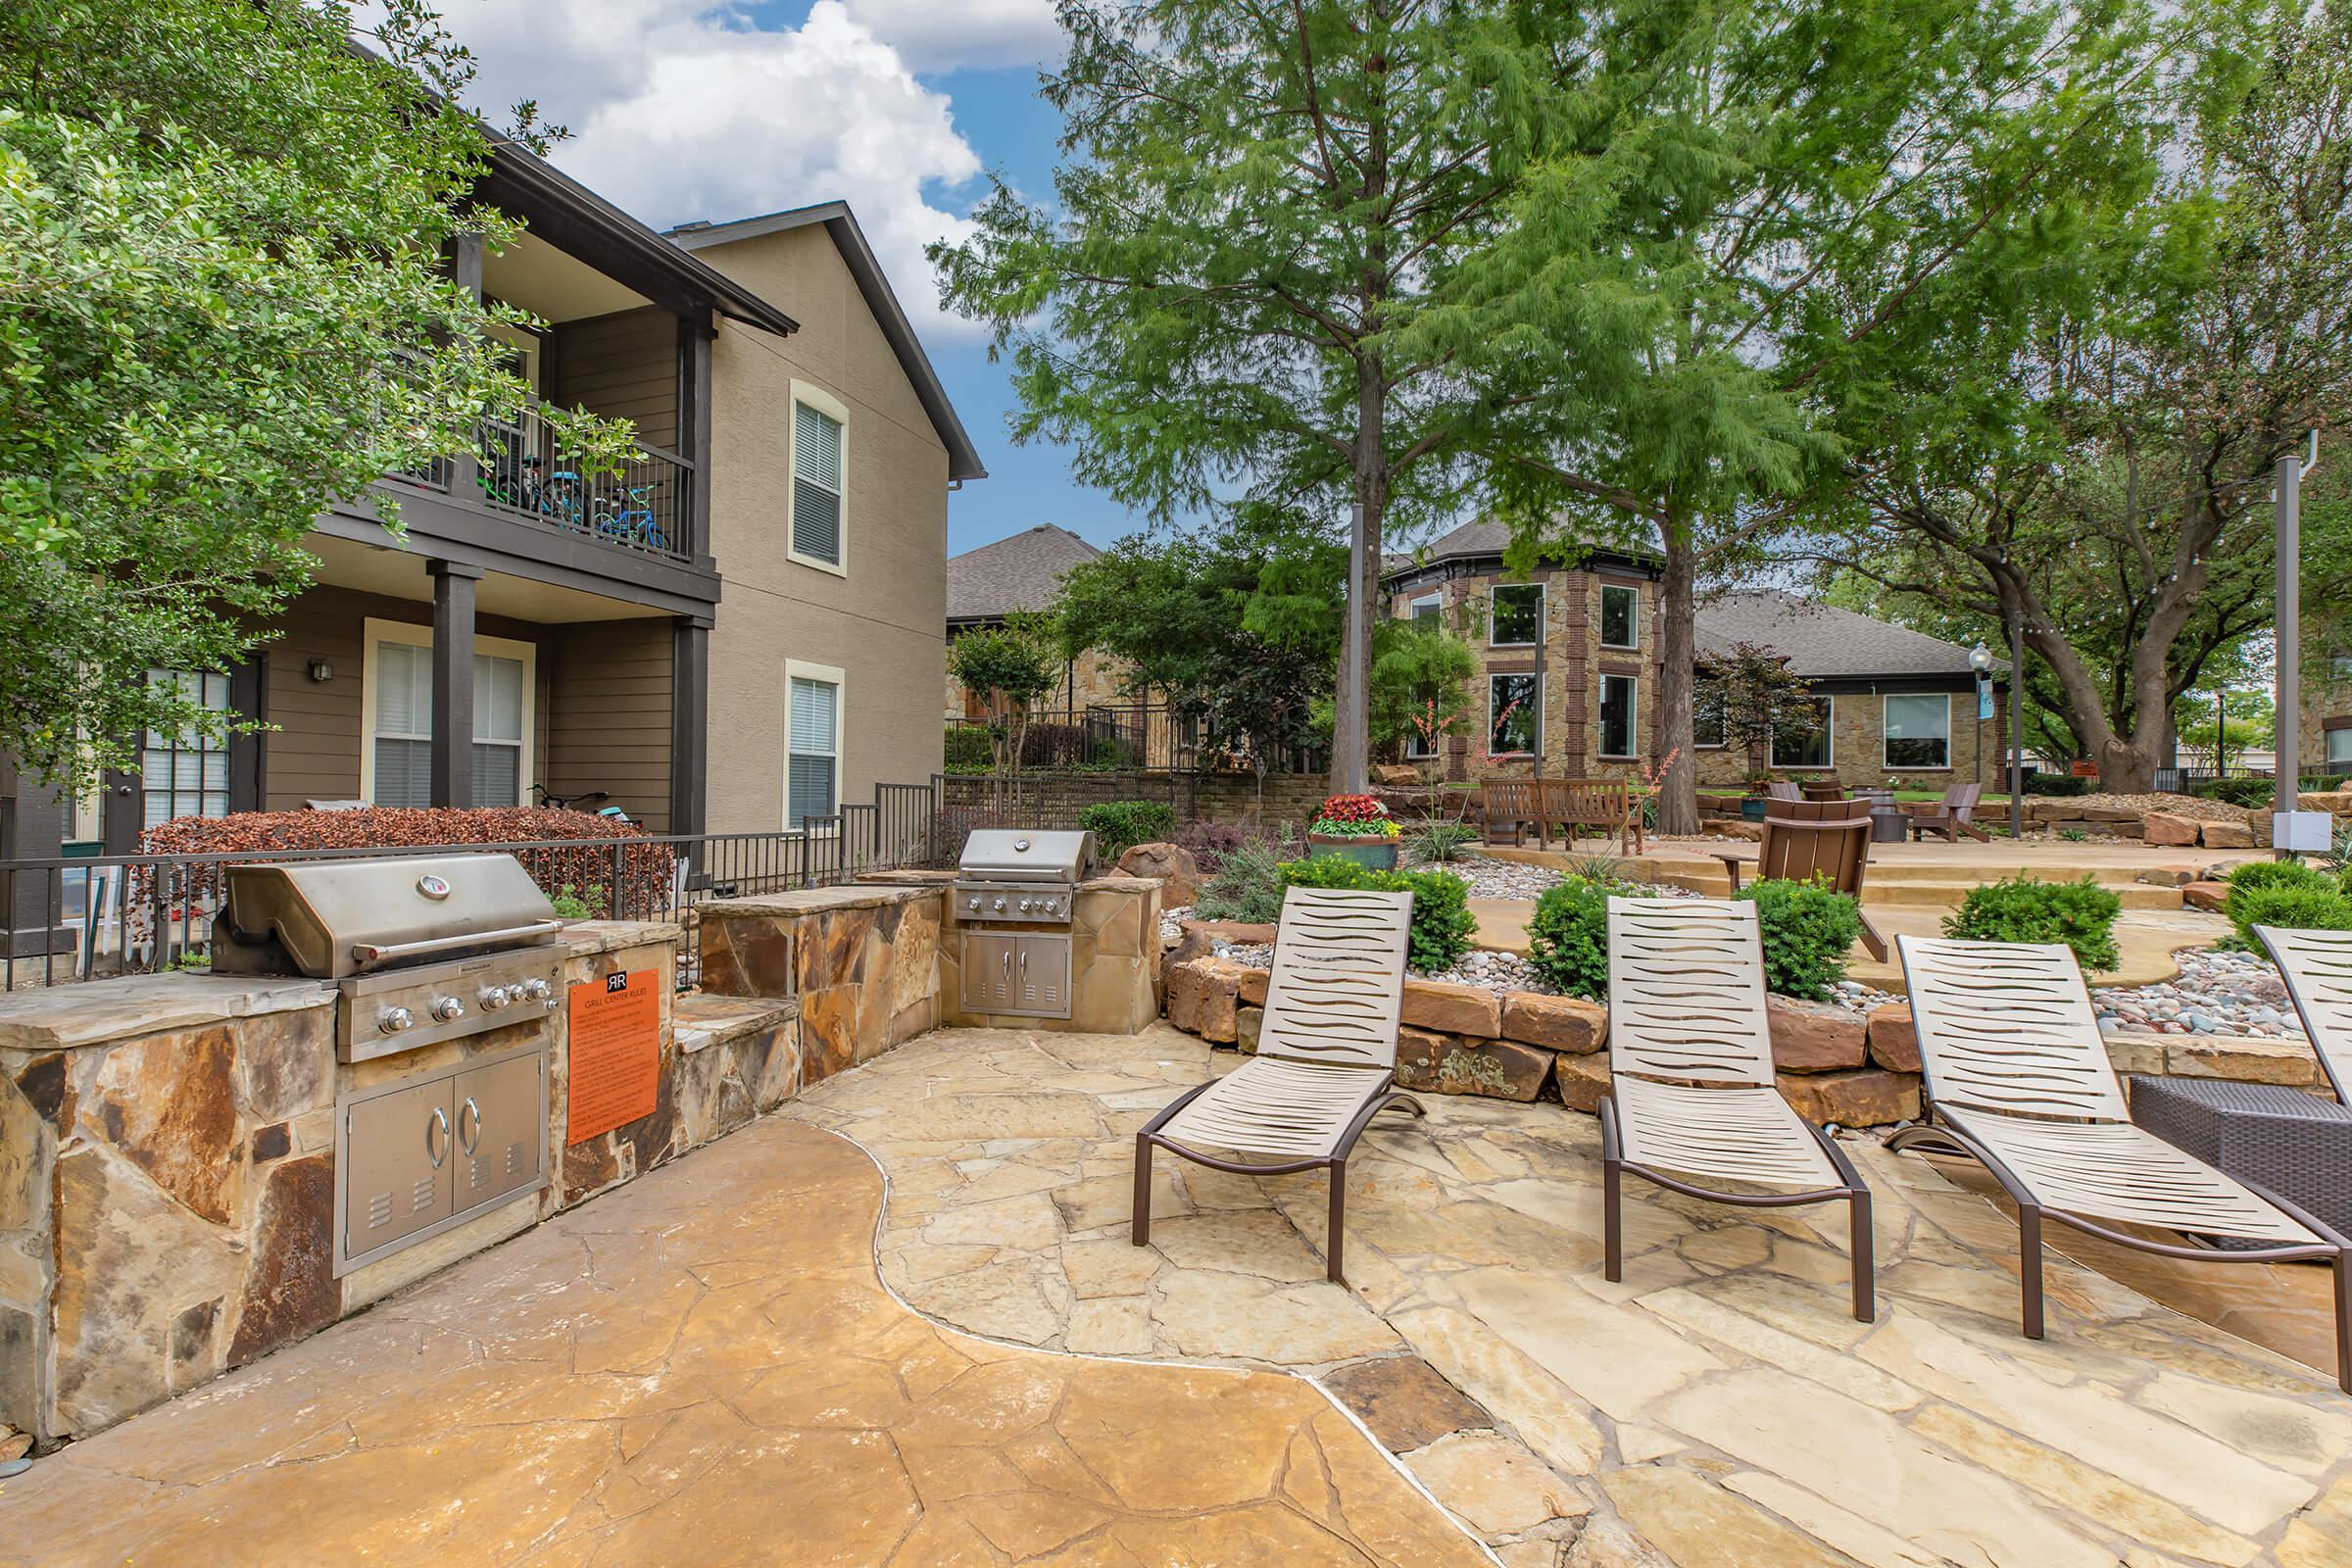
<point x="1871" y="1097"/>
<point x="1247" y="1022"/>
<point x="1178" y="873"/>
<point x="1731" y="828"/>
<point x="1447" y="1064"/>
<point x="2338" y="803"/>
<point x="2206" y="894"/>
<point x="1582" y="1080"/>
<point x="1893" y="1042"/>
<point x="1254" y="987"/>
<point x="1813" y="1036"/>
<point x="1454" y="1010"/>
<point x="1557" y="1023"/>
<point x="2167" y="876"/>
<point x="1395" y="775"/>
<point x="2227" y="836"/>
<point x="1202" y="995"/>
<point x="2162" y="827"/>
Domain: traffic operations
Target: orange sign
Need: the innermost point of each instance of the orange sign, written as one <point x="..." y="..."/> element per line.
<point x="615" y="1052"/>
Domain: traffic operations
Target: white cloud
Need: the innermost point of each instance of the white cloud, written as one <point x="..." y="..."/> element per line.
<point x="938" y="35"/>
<point x="681" y="110"/>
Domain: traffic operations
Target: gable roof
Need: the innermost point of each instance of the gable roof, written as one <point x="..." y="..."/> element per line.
<point x="964" y="458"/>
<point x="1821" y="641"/>
<point x="1486" y="537"/>
<point x="1021" y="572"/>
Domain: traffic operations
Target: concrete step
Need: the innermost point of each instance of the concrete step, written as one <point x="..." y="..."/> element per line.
<point x="1941" y="894"/>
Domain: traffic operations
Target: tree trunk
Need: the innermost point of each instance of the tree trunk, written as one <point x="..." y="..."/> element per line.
<point x="1678" y="792"/>
<point x="1351" y="689"/>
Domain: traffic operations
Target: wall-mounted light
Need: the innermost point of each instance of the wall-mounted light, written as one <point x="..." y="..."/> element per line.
<point x="321" y="671"/>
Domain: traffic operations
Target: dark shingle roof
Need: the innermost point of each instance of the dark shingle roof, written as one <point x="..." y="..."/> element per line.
<point x="1490" y="538"/>
<point x="1821" y="642"/>
<point x="1022" y="571"/>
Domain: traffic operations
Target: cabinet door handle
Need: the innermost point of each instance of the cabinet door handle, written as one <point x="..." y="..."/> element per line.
<point x="1007" y="970"/>
<point x="465" y="1142"/>
<point x="1024" y="968"/>
<point x="441" y="1116"/>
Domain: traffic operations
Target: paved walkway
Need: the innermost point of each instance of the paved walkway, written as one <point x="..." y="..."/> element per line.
<point x="1718" y="1409"/>
<point x="702" y="1369"/>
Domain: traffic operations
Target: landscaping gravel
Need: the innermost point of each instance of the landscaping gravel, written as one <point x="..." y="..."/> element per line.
<point x="1497" y="971"/>
<point x="2217" y="993"/>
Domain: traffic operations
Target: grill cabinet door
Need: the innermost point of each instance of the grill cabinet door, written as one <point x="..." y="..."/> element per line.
<point x="1041" y="976"/>
<point x="987" y="972"/>
<point x="501" y="1130"/>
<point x="397" y="1148"/>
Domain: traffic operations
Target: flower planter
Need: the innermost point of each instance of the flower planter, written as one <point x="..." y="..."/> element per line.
<point x="1751" y="810"/>
<point x="1379" y="854"/>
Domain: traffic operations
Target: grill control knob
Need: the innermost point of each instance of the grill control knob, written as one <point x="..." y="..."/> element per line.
<point x="532" y="991"/>
<point x="1050" y="906"/>
<point x="448" y="1009"/>
<point x="998" y="905"/>
<point x="493" y="997"/>
<point x="973" y="903"/>
<point x="392" y="1020"/>
<point x="1024" y="906"/>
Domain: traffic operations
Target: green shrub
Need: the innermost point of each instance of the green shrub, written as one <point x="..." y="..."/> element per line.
<point x="2307" y="904"/>
<point x="1807" y="928"/>
<point x="2081" y="915"/>
<point x="968" y="751"/>
<point x="1247" y="886"/>
<point x="2059" y="784"/>
<point x="1568" y="937"/>
<point x="1121" y="825"/>
<point x="1443" y="923"/>
<point x="2253" y="794"/>
<point x="1439" y="838"/>
<point x="2256" y="875"/>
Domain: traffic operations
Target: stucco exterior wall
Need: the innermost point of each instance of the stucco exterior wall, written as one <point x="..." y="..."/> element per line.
<point x="881" y="621"/>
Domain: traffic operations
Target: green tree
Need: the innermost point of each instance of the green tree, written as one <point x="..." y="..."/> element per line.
<point x="2088" y="443"/>
<point x="1246" y="297"/>
<point x="1762" y="188"/>
<point x="1011" y="667"/>
<point x="1421" y="675"/>
<point x="1755" y="689"/>
<point x="223" y="305"/>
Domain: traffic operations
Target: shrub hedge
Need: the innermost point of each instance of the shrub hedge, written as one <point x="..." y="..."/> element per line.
<point x="1443" y="923"/>
<point x="640" y="889"/>
<point x="2079" y="914"/>
<point x="2252" y="794"/>
<point x="1807" y="930"/>
<point x="2288" y="894"/>
<point x="1121" y="825"/>
<point x="2059" y="784"/>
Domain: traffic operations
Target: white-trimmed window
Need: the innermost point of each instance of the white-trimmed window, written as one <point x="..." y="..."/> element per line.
<point x="821" y="465"/>
<point x="2339" y="750"/>
<point x="1802" y="734"/>
<point x="813" y="743"/>
<point x="1708" y="731"/>
<point x="1620" y="704"/>
<point x="185" y="774"/>
<point x="396" y="696"/>
<point x="1919" y="732"/>
<point x="1620" y="615"/>
<point x="1518" y="618"/>
<point x="1426" y="607"/>
<point x="1514" y="716"/>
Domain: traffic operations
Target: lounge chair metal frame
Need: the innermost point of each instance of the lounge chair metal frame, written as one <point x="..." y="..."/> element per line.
<point x="1691" y="1075"/>
<point x="1326" y="1056"/>
<point x="2015" y="1075"/>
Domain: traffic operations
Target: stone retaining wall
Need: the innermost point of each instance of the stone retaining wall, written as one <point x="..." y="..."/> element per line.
<point x="1833" y="1063"/>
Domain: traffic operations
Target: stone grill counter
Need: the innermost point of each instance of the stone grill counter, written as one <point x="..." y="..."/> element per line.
<point x="167" y="1164"/>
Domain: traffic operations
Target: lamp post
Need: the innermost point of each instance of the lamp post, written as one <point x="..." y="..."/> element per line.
<point x="1979" y="659"/>
<point x="2017" y="722"/>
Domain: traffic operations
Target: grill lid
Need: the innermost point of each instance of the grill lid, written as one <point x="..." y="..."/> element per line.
<point x="1011" y="854"/>
<point x="344" y="918"/>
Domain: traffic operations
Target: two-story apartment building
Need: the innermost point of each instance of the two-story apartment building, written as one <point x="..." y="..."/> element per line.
<point x="1569" y="668"/>
<point x="741" y="631"/>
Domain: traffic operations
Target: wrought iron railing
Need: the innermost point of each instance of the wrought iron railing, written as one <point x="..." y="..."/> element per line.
<point x="65" y="918"/>
<point x="646" y="507"/>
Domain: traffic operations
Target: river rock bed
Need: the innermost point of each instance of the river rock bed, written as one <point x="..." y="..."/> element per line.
<point x="2217" y="993"/>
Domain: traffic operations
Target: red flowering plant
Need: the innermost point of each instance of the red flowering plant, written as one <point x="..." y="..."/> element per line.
<point x="1353" y="817"/>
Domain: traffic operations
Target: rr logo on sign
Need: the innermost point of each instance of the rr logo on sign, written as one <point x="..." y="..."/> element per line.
<point x="619" y="980"/>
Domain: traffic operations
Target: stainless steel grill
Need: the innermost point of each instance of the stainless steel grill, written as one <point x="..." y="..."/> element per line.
<point x="1006" y="874"/>
<point x="423" y="951"/>
<point x="1025" y="880"/>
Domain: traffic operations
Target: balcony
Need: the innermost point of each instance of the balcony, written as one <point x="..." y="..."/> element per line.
<point x="519" y="471"/>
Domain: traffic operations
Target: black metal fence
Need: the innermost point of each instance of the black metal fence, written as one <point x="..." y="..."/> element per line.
<point x="64" y="918"/>
<point x="1109" y="738"/>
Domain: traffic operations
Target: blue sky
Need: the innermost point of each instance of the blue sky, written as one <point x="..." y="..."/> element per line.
<point x="681" y="109"/>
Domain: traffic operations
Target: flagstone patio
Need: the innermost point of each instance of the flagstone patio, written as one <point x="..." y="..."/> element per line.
<point x="1717" y="1408"/>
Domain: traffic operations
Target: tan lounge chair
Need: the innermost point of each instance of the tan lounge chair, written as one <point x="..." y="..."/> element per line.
<point x="2317" y="966"/>
<point x="2019" y="1080"/>
<point x="1326" y="1055"/>
<point x="1690" y="1086"/>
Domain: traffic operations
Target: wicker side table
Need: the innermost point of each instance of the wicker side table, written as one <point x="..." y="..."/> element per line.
<point x="2278" y="1138"/>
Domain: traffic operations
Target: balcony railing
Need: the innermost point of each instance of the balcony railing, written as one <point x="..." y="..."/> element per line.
<point x="519" y="470"/>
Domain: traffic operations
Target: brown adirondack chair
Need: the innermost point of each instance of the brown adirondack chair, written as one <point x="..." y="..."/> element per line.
<point x="1802" y="839"/>
<point x="1783" y="789"/>
<point x="1828" y="790"/>
<point x="1951" y="815"/>
<point x="1509" y="803"/>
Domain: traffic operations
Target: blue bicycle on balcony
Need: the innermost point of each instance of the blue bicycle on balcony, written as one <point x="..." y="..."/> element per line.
<point x="629" y="518"/>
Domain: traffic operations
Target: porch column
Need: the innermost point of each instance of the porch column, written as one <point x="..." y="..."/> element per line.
<point x="694" y="428"/>
<point x="453" y="681"/>
<point x="689" y="722"/>
<point x="465" y="268"/>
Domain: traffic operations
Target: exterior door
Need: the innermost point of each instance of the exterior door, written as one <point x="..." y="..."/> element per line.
<point x="501" y="1126"/>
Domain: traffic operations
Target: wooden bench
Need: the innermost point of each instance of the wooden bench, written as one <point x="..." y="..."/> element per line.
<point x="1569" y="804"/>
